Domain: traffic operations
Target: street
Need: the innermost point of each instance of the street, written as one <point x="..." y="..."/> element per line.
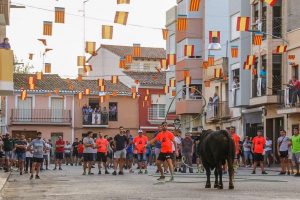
<point x="70" y="184"/>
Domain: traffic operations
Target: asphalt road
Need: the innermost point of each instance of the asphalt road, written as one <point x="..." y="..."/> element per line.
<point x="70" y="184"/>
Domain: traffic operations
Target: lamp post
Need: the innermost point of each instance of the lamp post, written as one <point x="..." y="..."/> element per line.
<point x="84" y="23"/>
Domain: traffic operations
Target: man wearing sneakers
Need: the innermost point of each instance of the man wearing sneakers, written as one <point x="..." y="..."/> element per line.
<point x="166" y="138"/>
<point x="140" y="143"/>
<point x="38" y="146"/>
<point x="59" y="152"/>
<point x="295" y="142"/>
<point x="88" y="157"/>
<point x="258" y="144"/>
<point x="120" y="143"/>
<point x="102" y="148"/>
<point x="283" y="151"/>
<point x="21" y="146"/>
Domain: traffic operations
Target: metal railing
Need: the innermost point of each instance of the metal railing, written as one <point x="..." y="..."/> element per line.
<point x="277" y="27"/>
<point x="156" y="114"/>
<point x="41" y="116"/>
<point x="288" y="98"/>
<point x="217" y="111"/>
<point x="141" y="67"/>
<point x="95" y="119"/>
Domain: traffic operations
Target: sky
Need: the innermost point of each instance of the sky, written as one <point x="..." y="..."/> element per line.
<point x="26" y="26"/>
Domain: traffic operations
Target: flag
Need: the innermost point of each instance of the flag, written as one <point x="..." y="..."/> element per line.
<point x="254" y="72"/>
<point x="107" y="32"/>
<point x="71" y="87"/>
<point x="281" y="49"/>
<point x="30" y="80"/>
<point x="133" y="90"/>
<point x="47" y="30"/>
<point x="271" y="2"/>
<point x="172" y="83"/>
<point x="211" y="61"/>
<point x="146" y="98"/>
<point x="39" y="75"/>
<point x="47" y="68"/>
<point x="246" y="66"/>
<point x="102" y="88"/>
<point x="128" y="58"/>
<point x="122" y="63"/>
<point x="134" y="95"/>
<point x="173" y="93"/>
<point x="90" y="47"/>
<point x="165" y="33"/>
<point x="56" y="91"/>
<point x="234" y="51"/>
<point x="243" y="23"/>
<point x="205" y="64"/>
<point x="80" y="95"/>
<point x="147" y="92"/>
<point x="101" y="82"/>
<point x="218" y="73"/>
<point x="123" y="1"/>
<point x="257" y="39"/>
<point x="163" y="64"/>
<point x="166" y="89"/>
<point x="181" y="23"/>
<point x="114" y="79"/>
<point x="207" y="83"/>
<point x="114" y="93"/>
<point x="44" y="41"/>
<point x="137" y="82"/>
<point x="23" y="95"/>
<point x="251" y="59"/>
<point x="186" y="73"/>
<point x="194" y="5"/>
<point x="121" y="17"/>
<point x="101" y="99"/>
<point x="107" y="97"/>
<point x="291" y="57"/>
<point x="80" y="61"/>
<point x="87" y="68"/>
<point x="30" y="56"/>
<point x="79" y="78"/>
<point x="87" y="91"/>
<point x="188" y="80"/>
<point x="171" y="60"/>
<point x="31" y="86"/>
<point x="225" y="78"/>
<point x="136" y="50"/>
<point x="214" y="34"/>
<point x="59" y="15"/>
<point x="48" y="49"/>
<point x="189" y="50"/>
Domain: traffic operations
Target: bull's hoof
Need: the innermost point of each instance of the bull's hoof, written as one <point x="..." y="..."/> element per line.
<point x="207" y="186"/>
<point x="231" y="187"/>
<point x="216" y="186"/>
<point x="220" y="187"/>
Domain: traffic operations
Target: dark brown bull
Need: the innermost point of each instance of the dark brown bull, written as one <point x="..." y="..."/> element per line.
<point x="215" y="148"/>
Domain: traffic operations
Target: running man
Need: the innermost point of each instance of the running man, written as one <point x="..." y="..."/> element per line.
<point x="102" y="148"/>
<point x="140" y="143"/>
<point x="166" y="138"/>
<point x="38" y="146"/>
<point x="258" y="144"/>
<point x="21" y="146"/>
<point x="59" y="152"/>
<point x="88" y="157"/>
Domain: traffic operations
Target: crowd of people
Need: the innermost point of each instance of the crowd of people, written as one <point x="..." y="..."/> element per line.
<point x="169" y="150"/>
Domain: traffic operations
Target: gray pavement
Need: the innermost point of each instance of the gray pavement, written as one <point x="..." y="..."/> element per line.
<point x="70" y="184"/>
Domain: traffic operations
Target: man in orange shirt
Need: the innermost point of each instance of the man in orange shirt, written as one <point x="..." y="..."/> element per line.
<point x="102" y="147"/>
<point x="258" y="145"/>
<point x="166" y="138"/>
<point x="140" y="143"/>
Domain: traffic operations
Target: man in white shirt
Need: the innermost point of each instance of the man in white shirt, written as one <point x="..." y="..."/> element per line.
<point x="46" y="155"/>
<point x="67" y="152"/>
<point x="177" y="159"/>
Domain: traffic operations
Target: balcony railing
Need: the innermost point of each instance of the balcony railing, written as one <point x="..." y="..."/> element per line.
<point x="218" y="111"/>
<point x="142" y="67"/>
<point x="95" y="119"/>
<point x="156" y="114"/>
<point x="277" y="27"/>
<point x="258" y="87"/>
<point x="289" y="98"/>
<point x="41" y="116"/>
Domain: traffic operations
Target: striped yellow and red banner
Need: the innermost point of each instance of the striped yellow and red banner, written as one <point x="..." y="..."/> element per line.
<point x="121" y="17"/>
<point x="188" y="80"/>
<point x="123" y="1"/>
<point x="173" y="93"/>
<point x="23" y="95"/>
<point x="90" y="47"/>
<point x="186" y="73"/>
<point x="207" y="83"/>
<point x="254" y="72"/>
<point x="47" y="28"/>
<point x="31" y="86"/>
<point x="246" y="66"/>
<point x="101" y="99"/>
<point x="205" y="64"/>
<point x="257" y="39"/>
<point x="194" y="5"/>
<point x="30" y="56"/>
<point x="172" y="83"/>
<point x="166" y="89"/>
<point x="291" y="57"/>
<point x="128" y="58"/>
<point x="107" y="32"/>
<point x="102" y="88"/>
<point x="163" y="64"/>
<point x="122" y="63"/>
<point x="171" y="59"/>
<point x="107" y="97"/>
<point x="87" y="68"/>
<point x="243" y="23"/>
<point x="189" y="50"/>
<point x="134" y="95"/>
<point x="218" y="73"/>
<point x="114" y="93"/>
<point x="234" y="51"/>
<point x="214" y="34"/>
<point x="47" y="68"/>
<point x="31" y="80"/>
<point x="165" y="33"/>
<point x="145" y="98"/>
<point x="79" y="77"/>
<point x="211" y="60"/>
<point x="39" y="75"/>
<point x="87" y="91"/>
<point x="80" y="61"/>
<point x="133" y="89"/>
<point x="80" y="95"/>
<point x="137" y="82"/>
<point x="137" y="51"/>
<point x="147" y="92"/>
<point x="114" y="79"/>
<point x="181" y="23"/>
<point x="251" y="59"/>
<point x="271" y="2"/>
<point x="59" y="15"/>
<point x="44" y="41"/>
<point x="281" y="49"/>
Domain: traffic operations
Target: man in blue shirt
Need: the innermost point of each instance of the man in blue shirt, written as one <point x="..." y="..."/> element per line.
<point x="129" y="152"/>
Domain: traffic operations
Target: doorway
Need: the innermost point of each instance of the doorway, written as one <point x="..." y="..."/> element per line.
<point x="273" y="127"/>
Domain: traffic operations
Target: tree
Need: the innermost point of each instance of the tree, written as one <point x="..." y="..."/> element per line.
<point x="22" y="68"/>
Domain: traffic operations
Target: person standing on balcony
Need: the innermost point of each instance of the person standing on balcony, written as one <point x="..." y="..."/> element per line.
<point x="216" y="104"/>
<point x="263" y="76"/>
<point x="5" y="44"/>
<point x="258" y="144"/>
<point x="283" y="151"/>
<point x="296" y="92"/>
<point x="59" y="152"/>
<point x="295" y="143"/>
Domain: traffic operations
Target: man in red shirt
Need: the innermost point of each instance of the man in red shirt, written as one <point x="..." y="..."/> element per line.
<point x="166" y="138"/>
<point x="258" y="145"/>
<point x="59" y="152"/>
<point x="102" y="148"/>
<point x="236" y="139"/>
<point x="80" y="149"/>
<point x="140" y="144"/>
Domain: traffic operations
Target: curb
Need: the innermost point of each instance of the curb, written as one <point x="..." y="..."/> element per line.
<point x="3" y="182"/>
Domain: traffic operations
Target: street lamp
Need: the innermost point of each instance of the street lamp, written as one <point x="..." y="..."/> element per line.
<point x="215" y="45"/>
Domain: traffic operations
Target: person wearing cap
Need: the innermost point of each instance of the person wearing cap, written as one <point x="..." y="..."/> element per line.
<point x="140" y="143"/>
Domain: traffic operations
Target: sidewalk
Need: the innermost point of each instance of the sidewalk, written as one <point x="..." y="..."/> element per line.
<point x="3" y="178"/>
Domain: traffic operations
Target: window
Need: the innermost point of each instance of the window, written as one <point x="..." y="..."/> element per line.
<point x="93" y="114"/>
<point x="113" y="111"/>
<point x="235" y="72"/>
<point x="234" y="33"/>
<point x="24" y="112"/>
<point x="277" y="19"/>
<point x="256" y="12"/>
<point x="276" y="73"/>
<point x="157" y="111"/>
<point x="57" y="107"/>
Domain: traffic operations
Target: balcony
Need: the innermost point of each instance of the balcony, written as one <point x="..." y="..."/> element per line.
<point x="142" y="67"/>
<point x="6" y="72"/>
<point x="288" y="102"/>
<point x="41" y="116"/>
<point x="221" y="63"/>
<point x="236" y="95"/>
<point x="189" y="106"/>
<point x="97" y="120"/>
<point x="4" y="12"/>
<point x="218" y="112"/>
<point x="277" y="27"/>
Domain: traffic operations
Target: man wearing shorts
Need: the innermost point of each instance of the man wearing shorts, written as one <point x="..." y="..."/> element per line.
<point x="38" y="146"/>
<point x="129" y="152"/>
<point x="166" y="138"/>
<point x="258" y="145"/>
<point x="296" y="150"/>
<point x="21" y="146"/>
<point x="46" y="155"/>
<point x="8" y="146"/>
<point x="120" y="143"/>
<point x="88" y="157"/>
<point x="59" y="152"/>
<point x="283" y="151"/>
<point x="80" y="149"/>
<point x="67" y="152"/>
<point x="102" y="148"/>
<point x="75" y="152"/>
<point x="140" y="144"/>
<point x="236" y="139"/>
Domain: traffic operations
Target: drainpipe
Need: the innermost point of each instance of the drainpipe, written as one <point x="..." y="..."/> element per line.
<point x="73" y="120"/>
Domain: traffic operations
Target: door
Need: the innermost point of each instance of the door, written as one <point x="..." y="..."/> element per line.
<point x="57" y="108"/>
<point x="24" y="111"/>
